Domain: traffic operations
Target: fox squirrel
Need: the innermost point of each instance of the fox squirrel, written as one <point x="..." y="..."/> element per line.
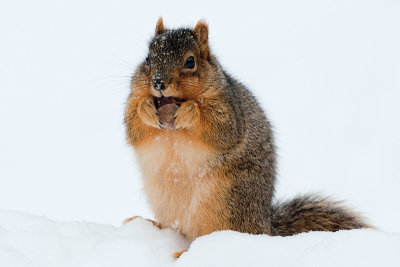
<point x="206" y="149"/>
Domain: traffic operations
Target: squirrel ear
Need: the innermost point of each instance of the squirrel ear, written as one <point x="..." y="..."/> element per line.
<point x="160" y="26"/>
<point x="201" y="33"/>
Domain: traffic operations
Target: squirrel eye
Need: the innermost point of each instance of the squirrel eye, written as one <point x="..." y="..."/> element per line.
<point x="147" y="61"/>
<point x="189" y="64"/>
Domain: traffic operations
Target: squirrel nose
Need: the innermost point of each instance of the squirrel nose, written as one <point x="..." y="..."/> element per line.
<point x="159" y="85"/>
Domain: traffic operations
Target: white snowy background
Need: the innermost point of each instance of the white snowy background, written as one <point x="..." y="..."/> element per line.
<point x="326" y="72"/>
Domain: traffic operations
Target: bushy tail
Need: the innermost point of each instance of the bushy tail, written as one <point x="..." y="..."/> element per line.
<point x="313" y="213"/>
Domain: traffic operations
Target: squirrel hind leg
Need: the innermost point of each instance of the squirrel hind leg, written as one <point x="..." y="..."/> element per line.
<point x="313" y="213"/>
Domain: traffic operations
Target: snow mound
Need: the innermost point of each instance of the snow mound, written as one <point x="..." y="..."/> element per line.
<point x="27" y="240"/>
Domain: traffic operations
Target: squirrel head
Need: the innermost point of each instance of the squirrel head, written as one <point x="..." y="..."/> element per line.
<point x="178" y="63"/>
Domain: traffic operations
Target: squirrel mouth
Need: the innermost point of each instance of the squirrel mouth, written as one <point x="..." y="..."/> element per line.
<point x="162" y="101"/>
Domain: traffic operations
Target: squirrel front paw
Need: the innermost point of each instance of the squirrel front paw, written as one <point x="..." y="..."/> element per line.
<point x="187" y="115"/>
<point x="148" y="113"/>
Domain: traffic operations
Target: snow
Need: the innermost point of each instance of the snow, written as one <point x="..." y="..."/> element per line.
<point x="344" y="248"/>
<point x="27" y="240"/>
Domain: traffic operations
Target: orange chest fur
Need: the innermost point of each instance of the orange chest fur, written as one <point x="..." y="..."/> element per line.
<point x="179" y="182"/>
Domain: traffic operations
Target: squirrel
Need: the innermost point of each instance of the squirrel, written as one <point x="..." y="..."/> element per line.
<point x="206" y="149"/>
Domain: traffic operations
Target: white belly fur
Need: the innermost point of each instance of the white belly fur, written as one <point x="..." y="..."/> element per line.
<point x="176" y="179"/>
